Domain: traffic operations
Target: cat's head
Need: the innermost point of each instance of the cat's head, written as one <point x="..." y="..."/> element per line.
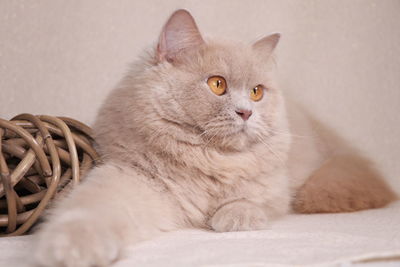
<point x="206" y="92"/>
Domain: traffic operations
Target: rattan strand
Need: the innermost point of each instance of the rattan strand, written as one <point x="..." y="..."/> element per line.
<point x="41" y="157"/>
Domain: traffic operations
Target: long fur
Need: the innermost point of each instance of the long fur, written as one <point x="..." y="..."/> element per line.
<point x="178" y="156"/>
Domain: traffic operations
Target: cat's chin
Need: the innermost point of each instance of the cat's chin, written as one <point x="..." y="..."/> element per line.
<point x="237" y="140"/>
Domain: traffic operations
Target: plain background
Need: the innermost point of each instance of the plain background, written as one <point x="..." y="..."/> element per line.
<point x="340" y="58"/>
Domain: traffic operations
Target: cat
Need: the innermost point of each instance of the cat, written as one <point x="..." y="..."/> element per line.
<point x="198" y="135"/>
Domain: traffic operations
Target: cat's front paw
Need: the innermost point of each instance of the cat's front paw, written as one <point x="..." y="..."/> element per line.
<point x="241" y="215"/>
<point x="75" y="244"/>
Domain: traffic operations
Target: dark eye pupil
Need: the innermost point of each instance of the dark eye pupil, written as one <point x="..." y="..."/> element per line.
<point x="255" y="89"/>
<point x="218" y="83"/>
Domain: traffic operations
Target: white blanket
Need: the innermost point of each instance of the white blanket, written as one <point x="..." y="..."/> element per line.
<point x="369" y="237"/>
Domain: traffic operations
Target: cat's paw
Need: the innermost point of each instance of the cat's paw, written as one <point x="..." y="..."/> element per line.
<point x="240" y="215"/>
<point x="75" y="244"/>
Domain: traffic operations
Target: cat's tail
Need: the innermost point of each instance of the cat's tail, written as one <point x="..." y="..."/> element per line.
<point x="342" y="184"/>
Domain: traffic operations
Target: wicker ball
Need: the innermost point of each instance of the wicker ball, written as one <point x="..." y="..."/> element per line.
<point x="41" y="157"/>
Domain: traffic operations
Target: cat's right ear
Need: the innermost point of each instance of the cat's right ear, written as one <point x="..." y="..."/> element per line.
<point x="265" y="46"/>
<point x="179" y="33"/>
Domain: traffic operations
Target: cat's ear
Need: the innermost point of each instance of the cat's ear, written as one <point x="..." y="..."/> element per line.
<point x="265" y="46"/>
<point x="179" y="33"/>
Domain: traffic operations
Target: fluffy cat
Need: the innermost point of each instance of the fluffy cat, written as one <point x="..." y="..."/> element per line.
<point x="197" y="136"/>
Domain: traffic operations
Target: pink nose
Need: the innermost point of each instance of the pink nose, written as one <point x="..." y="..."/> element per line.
<point x="244" y="113"/>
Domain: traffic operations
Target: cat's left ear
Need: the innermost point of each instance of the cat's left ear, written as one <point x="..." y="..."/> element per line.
<point x="265" y="46"/>
<point x="179" y="33"/>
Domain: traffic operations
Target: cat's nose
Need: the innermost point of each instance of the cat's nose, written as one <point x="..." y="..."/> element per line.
<point x="244" y="113"/>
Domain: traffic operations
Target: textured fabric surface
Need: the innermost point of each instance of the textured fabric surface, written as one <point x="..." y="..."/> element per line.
<point x="370" y="238"/>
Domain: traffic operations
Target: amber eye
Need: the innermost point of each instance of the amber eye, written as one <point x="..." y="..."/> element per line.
<point x="257" y="93"/>
<point x="217" y="84"/>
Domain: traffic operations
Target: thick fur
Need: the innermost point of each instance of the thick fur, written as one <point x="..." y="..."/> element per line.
<point x="178" y="156"/>
<point x="344" y="183"/>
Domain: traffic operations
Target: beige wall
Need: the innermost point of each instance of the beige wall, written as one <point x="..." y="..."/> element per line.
<point x="340" y="58"/>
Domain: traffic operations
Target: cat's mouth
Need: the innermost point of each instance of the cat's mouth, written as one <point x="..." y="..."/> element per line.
<point x="230" y="131"/>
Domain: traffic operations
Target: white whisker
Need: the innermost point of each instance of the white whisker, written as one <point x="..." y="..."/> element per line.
<point x="290" y="134"/>
<point x="271" y="150"/>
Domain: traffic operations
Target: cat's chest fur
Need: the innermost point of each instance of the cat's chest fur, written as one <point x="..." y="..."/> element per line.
<point x="202" y="179"/>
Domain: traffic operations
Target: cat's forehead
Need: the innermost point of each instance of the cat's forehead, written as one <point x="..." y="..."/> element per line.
<point x="237" y="63"/>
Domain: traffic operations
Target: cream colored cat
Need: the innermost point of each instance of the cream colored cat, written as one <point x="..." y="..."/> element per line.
<point x="197" y="136"/>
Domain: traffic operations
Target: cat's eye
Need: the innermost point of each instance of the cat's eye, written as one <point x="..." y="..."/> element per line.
<point x="256" y="94"/>
<point x="217" y="84"/>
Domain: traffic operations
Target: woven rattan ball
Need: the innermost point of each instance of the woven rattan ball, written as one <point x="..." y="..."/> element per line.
<point x="41" y="157"/>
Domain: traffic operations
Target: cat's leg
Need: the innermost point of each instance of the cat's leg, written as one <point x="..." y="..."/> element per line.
<point x="342" y="184"/>
<point x="112" y="208"/>
<point x="254" y="212"/>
